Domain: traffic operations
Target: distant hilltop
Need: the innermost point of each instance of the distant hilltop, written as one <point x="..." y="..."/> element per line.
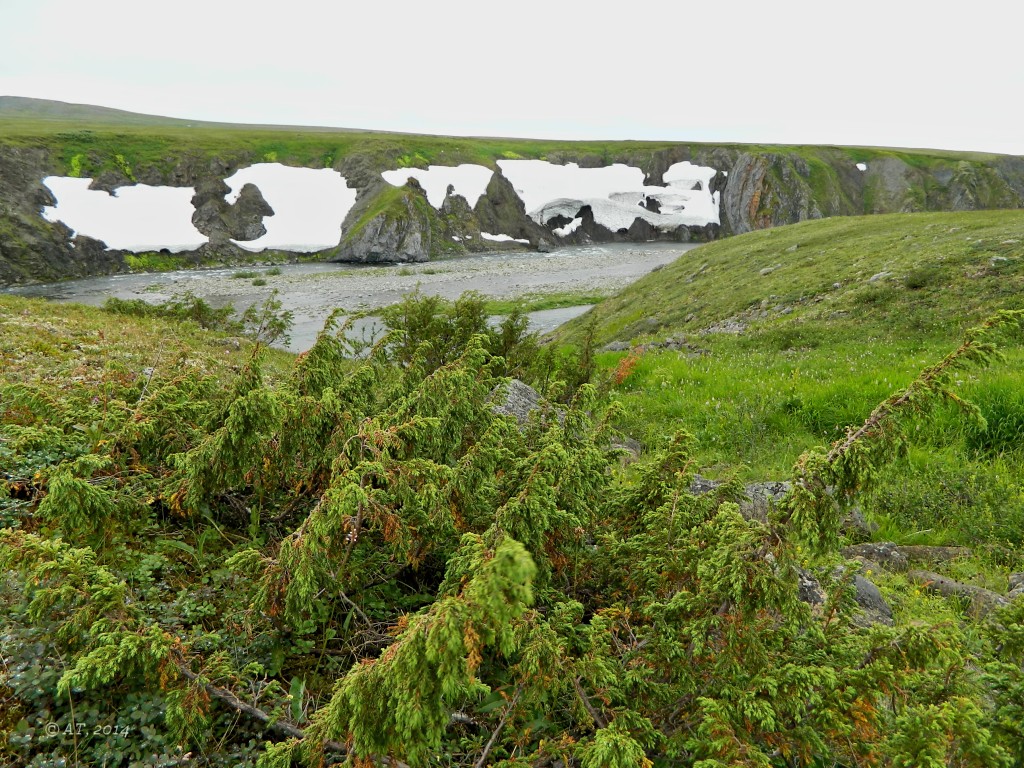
<point x="405" y="197"/>
<point x="48" y="109"/>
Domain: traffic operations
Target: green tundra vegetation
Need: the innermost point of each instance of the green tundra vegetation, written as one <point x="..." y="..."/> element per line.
<point x="216" y="553"/>
<point x="85" y="148"/>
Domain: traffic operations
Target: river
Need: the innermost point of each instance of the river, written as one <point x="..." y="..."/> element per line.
<point x="312" y="291"/>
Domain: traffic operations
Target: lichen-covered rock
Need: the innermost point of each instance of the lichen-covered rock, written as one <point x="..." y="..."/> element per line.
<point x="516" y="399"/>
<point x="885" y="554"/>
<point x="980" y="601"/>
<point x="761" y="497"/>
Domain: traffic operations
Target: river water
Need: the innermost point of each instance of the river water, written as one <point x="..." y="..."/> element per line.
<point x="313" y="291"/>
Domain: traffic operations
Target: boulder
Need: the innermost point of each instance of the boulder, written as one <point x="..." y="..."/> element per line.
<point x="1016" y="586"/>
<point x="518" y="400"/>
<point x="875" y="609"/>
<point x="923" y="554"/>
<point x="980" y="601"/>
<point x="761" y="497"/>
<point x="809" y="589"/>
<point x="884" y="554"/>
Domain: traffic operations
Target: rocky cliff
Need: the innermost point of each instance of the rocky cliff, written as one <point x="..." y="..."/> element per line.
<point x="757" y="187"/>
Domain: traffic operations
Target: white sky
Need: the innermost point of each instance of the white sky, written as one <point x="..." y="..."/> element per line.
<point x="893" y="73"/>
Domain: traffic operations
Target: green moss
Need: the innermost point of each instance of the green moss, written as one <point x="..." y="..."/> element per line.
<point x="389" y="202"/>
<point x="152" y="261"/>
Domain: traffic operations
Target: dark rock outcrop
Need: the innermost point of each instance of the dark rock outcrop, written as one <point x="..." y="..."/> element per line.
<point x="501" y="211"/>
<point x="31" y="248"/>
<point x="401" y="233"/>
<point x="222" y="221"/>
<point x="758" y="189"/>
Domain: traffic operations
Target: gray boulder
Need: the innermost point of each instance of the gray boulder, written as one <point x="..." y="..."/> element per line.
<point x="884" y="554"/>
<point x="873" y="607"/>
<point x="980" y="601"/>
<point x="1016" y="586"/>
<point x="761" y="497"/>
<point x="518" y="400"/>
<point x="869" y="598"/>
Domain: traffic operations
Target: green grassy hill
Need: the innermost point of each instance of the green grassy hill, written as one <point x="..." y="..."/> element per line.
<point x="769" y="343"/>
<point x="26" y="108"/>
<point x="929" y="274"/>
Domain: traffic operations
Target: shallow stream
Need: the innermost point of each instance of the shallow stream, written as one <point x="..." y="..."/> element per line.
<point x="312" y="291"/>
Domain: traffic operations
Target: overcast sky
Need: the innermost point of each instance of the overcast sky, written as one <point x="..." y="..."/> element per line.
<point x="893" y="73"/>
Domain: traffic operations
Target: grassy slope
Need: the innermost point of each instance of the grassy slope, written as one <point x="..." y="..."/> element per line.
<point x="815" y="358"/>
<point x="946" y="270"/>
<point x="78" y="348"/>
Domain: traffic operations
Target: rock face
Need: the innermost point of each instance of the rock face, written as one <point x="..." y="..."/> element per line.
<point x="500" y="211"/>
<point x="766" y="190"/>
<point x="758" y="189"/>
<point x="31" y="248"/>
<point x="222" y="221"/>
<point x="389" y="238"/>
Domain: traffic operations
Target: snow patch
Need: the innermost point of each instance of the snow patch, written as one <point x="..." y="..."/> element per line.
<point x="470" y="181"/>
<point x="569" y="228"/>
<point x="503" y="238"/>
<point x="616" y="194"/>
<point x="134" y="218"/>
<point x="309" y="205"/>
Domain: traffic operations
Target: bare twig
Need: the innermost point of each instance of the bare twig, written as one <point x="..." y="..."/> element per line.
<point x="497" y="731"/>
<point x="594" y="714"/>
<point x="281" y="726"/>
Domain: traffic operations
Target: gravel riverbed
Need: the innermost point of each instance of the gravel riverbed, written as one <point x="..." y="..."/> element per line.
<point x="313" y="291"/>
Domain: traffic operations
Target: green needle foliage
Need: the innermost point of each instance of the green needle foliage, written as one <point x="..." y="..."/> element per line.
<point x="358" y="558"/>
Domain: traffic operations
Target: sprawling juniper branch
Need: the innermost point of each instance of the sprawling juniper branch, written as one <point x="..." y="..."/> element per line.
<point x="819" y="480"/>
